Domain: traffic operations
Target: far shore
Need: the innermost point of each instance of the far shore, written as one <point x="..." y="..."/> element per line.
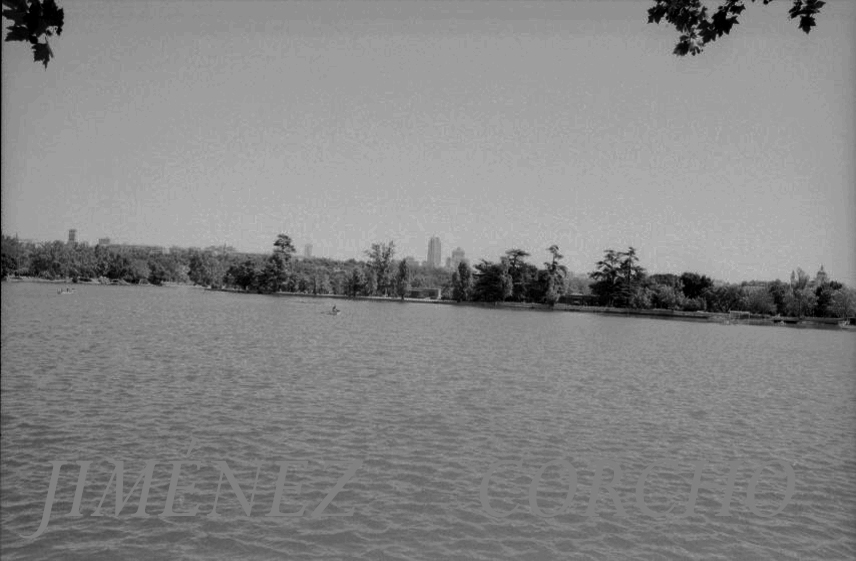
<point x="770" y="321"/>
<point x="806" y="322"/>
<point x="101" y="282"/>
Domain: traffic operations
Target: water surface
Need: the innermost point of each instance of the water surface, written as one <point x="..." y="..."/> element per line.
<point x="427" y="398"/>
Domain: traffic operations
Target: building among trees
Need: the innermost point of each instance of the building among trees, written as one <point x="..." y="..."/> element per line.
<point x="457" y="258"/>
<point x="434" y="253"/>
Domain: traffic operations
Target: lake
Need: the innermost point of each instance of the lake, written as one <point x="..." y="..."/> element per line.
<point x="396" y="414"/>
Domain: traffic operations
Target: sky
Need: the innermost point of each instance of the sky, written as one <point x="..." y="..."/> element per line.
<point x="492" y="125"/>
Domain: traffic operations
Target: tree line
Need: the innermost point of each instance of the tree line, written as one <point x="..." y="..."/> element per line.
<point x="618" y="279"/>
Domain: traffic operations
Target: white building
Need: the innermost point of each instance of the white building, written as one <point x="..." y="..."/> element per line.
<point x="434" y="253"/>
<point x="457" y="258"/>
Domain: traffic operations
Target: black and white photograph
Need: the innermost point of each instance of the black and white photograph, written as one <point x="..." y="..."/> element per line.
<point x="428" y="280"/>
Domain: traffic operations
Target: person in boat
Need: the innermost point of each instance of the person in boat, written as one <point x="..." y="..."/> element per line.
<point x="335" y="310"/>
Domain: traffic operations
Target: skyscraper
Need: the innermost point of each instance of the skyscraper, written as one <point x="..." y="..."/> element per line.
<point x="434" y="254"/>
<point x="72" y="236"/>
<point x="307" y="251"/>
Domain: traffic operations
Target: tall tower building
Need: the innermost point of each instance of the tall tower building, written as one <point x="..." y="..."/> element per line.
<point x="434" y="253"/>
<point x="307" y="251"/>
<point x="72" y="236"/>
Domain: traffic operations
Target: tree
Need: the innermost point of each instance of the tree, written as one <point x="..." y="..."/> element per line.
<point x="320" y="282"/>
<point x="34" y="21"/>
<point x="778" y="291"/>
<point x="274" y="276"/>
<point x="697" y="28"/>
<point x="356" y="282"/>
<point x="799" y="279"/>
<point x="157" y="272"/>
<point x="283" y="246"/>
<point x="137" y="271"/>
<point x="694" y="285"/>
<point x="801" y="299"/>
<point x="843" y="303"/>
<point x="553" y="281"/>
<point x="370" y="286"/>
<point x="759" y="301"/>
<point x="50" y="260"/>
<point x="380" y="256"/>
<point x="618" y="277"/>
<point x="493" y="282"/>
<point x="462" y="283"/>
<point x="243" y="275"/>
<point x="666" y="296"/>
<point x="11" y="249"/>
<point x="402" y="279"/>
<point x="521" y="273"/>
<point x="800" y="302"/>
<point x="201" y="269"/>
<point x="725" y="298"/>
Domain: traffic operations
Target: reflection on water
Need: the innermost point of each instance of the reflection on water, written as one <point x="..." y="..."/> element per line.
<point x="427" y="398"/>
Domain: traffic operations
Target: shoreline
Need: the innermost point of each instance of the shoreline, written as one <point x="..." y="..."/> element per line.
<point x="707" y="317"/>
<point x="97" y="282"/>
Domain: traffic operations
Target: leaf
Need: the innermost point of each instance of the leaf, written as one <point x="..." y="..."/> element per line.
<point x="53" y="15"/>
<point x="33" y="18"/>
<point x="656" y="13"/>
<point x="17" y="33"/>
<point x="806" y="23"/>
<point x="16" y="15"/>
<point x="42" y="53"/>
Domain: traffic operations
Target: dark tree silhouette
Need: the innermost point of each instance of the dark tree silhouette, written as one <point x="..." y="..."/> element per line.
<point x="698" y="27"/>
<point x="34" y="21"/>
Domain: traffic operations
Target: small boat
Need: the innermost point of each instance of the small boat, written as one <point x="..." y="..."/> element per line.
<point x="847" y="324"/>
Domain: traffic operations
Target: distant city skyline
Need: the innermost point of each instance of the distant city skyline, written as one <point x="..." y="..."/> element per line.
<point x="457" y="255"/>
<point x="495" y="125"/>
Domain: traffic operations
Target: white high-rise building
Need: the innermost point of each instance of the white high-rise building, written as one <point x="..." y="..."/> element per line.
<point x="307" y="251"/>
<point x="434" y="254"/>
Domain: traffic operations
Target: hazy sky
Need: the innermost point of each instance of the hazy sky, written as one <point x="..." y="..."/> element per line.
<point x="489" y="124"/>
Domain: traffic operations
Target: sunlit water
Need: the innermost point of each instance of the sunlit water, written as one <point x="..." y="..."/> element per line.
<point x="427" y="397"/>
